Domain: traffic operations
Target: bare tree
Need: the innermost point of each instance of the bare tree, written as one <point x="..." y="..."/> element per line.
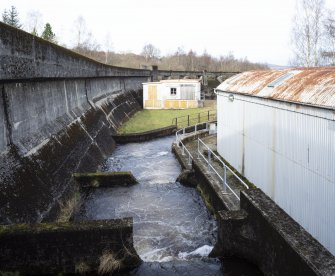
<point x="85" y="43"/>
<point x="80" y="30"/>
<point x="108" y="47"/>
<point x="307" y="33"/>
<point x="329" y="30"/>
<point x="150" y="52"/>
<point x="190" y="61"/>
<point x="34" y="22"/>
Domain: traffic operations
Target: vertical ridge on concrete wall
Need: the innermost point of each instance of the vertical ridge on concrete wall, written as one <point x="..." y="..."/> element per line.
<point x="7" y="128"/>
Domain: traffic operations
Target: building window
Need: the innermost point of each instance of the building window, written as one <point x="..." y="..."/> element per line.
<point x="173" y="91"/>
<point x="280" y="80"/>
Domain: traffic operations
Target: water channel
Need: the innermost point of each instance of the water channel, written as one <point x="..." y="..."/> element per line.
<point x="173" y="231"/>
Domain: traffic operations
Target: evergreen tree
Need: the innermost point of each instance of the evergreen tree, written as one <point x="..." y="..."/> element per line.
<point x="11" y="17"/>
<point x="48" y="34"/>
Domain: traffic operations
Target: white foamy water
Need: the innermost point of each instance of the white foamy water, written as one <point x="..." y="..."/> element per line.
<point x="202" y="251"/>
<point x="170" y="220"/>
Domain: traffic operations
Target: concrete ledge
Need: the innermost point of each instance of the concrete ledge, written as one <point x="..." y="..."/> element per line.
<point x="263" y="233"/>
<point x="144" y="136"/>
<point x="67" y="247"/>
<point x="211" y="188"/>
<point x="104" y="179"/>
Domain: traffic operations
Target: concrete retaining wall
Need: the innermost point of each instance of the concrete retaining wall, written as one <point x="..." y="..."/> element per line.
<point x="259" y="231"/>
<point x="67" y="247"/>
<point x="263" y="233"/>
<point x="58" y="111"/>
<point x="36" y="169"/>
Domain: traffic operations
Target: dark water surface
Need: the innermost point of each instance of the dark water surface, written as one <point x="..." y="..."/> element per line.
<point x="173" y="231"/>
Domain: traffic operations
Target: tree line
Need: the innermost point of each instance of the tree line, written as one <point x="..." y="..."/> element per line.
<point x="312" y="42"/>
<point x="85" y="44"/>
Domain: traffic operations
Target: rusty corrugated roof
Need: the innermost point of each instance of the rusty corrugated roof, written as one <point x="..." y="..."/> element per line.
<point x="312" y="86"/>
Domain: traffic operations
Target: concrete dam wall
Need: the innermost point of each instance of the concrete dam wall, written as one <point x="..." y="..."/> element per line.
<point x="58" y="111"/>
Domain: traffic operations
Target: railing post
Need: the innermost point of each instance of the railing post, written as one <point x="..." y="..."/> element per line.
<point x="208" y="114"/>
<point x="198" y="148"/>
<point x="183" y="151"/>
<point x="188" y="120"/>
<point x="189" y="160"/>
<point x="176" y="122"/>
<point x="183" y="131"/>
<point x="209" y="160"/>
<point x="225" y="178"/>
<point x="198" y="118"/>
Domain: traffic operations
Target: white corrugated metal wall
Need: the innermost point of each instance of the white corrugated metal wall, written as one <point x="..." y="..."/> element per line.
<point x="289" y="152"/>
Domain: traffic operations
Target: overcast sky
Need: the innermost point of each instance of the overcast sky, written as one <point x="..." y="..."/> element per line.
<point x="256" y="29"/>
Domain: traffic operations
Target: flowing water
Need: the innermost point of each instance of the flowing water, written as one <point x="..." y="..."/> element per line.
<point x="173" y="230"/>
<point x="170" y="220"/>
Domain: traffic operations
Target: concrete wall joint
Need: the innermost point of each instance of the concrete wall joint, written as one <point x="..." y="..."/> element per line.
<point x="8" y="123"/>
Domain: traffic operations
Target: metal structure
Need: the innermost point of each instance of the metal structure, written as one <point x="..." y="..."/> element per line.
<point x="196" y="118"/>
<point x="213" y="161"/>
<point x="277" y="128"/>
<point x="181" y="134"/>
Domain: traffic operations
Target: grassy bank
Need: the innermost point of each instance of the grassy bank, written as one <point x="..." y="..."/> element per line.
<point x="145" y="120"/>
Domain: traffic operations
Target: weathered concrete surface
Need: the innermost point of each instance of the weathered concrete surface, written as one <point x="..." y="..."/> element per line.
<point x="144" y="136"/>
<point x="207" y="182"/>
<point x="264" y="234"/>
<point x="104" y="179"/>
<point x="58" y="111"/>
<point x="24" y="56"/>
<point x="35" y="177"/>
<point x="66" y="247"/>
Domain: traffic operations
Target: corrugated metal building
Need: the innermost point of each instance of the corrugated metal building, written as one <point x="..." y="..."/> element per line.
<point x="172" y="94"/>
<point x="277" y="128"/>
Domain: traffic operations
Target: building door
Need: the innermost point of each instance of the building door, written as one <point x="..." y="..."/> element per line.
<point x="152" y="92"/>
<point x="152" y="101"/>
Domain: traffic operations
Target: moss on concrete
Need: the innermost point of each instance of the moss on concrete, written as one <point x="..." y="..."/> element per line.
<point x="69" y="207"/>
<point x="13" y="229"/>
<point x="205" y="197"/>
<point x="104" y="179"/>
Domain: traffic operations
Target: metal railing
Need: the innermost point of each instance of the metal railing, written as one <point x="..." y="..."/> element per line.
<point x="210" y="159"/>
<point x="189" y="120"/>
<point x="191" y="130"/>
<point x="180" y="134"/>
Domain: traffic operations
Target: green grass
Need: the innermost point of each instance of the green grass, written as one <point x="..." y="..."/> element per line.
<point x="146" y="119"/>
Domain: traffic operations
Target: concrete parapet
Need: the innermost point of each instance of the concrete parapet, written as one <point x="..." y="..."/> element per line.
<point x="25" y="56"/>
<point x="81" y="247"/>
<point x="144" y="136"/>
<point x="264" y="234"/>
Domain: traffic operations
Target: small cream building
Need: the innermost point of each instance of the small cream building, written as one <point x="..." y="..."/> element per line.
<point x="172" y="94"/>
